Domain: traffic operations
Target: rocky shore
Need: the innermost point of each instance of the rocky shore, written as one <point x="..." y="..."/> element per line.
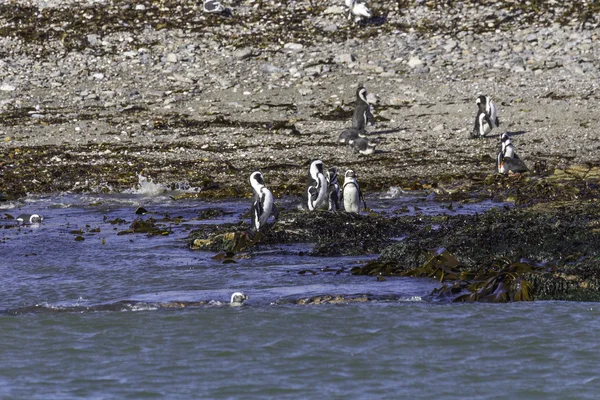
<point x="94" y="92"/>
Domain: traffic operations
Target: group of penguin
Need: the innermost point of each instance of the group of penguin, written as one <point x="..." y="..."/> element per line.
<point x="485" y="120"/>
<point x="356" y="8"/>
<point x="322" y="189"/>
<point x="322" y="193"/>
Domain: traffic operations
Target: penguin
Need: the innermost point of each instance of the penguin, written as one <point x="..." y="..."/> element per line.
<point x="486" y="104"/>
<point x="316" y="188"/>
<point x="483" y="125"/>
<point x="333" y="189"/>
<point x="213" y="6"/>
<point x="349" y="134"/>
<point x="352" y="194"/>
<point x="263" y="202"/>
<point x="362" y="146"/>
<point x="28" y="219"/>
<point x="508" y="160"/>
<point x="362" y="111"/>
<point x="237" y="299"/>
<point x="359" y="9"/>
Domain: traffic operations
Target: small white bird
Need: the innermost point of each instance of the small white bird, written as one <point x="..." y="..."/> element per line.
<point x="351" y="193"/>
<point x="263" y="202"/>
<point x="359" y="9"/>
<point x="238" y="298"/>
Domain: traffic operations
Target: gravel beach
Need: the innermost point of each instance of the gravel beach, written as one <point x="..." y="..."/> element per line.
<point x="93" y="92"/>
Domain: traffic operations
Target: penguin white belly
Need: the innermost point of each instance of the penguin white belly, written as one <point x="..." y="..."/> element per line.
<point x="267" y="206"/>
<point x="322" y="195"/>
<point x="351" y="199"/>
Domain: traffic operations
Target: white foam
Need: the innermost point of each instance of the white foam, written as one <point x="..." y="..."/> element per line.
<point x="146" y="186"/>
<point x="392" y="193"/>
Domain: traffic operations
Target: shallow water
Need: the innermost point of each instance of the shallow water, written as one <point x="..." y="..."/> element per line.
<point x="69" y="328"/>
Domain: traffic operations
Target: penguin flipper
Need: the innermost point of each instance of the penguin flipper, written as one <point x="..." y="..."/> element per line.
<point x="497" y="122"/>
<point x="370" y="118"/>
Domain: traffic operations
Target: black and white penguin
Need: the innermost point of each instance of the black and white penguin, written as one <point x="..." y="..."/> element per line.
<point x="362" y="146"/>
<point x="351" y="193"/>
<point x="485" y="103"/>
<point x="238" y="298"/>
<point x="263" y="202"/>
<point x="483" y="125"/>
<point x="213" y="6"/>
<point x="28" y="219"/>
<point x="316" y="188"/>
<point x="333" y="188"/>
<point x="508" y="160"/>
<point x="349" y="134"/>
<point x="362" y="110"/>
<point x="359" y="9"/>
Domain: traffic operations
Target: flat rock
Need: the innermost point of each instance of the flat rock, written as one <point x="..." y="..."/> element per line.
<point x="415" y="62"/>
<point x="293" y="46"/>
<point x="243" y="54"/>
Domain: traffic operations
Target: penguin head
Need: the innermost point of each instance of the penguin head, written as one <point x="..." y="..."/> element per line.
<point x="316" y="168"/>
<point x="332" y="175"/>
<point x="256" y="179"/>
<point x="481" y="102"/>
<point x="505" y="141"/>
<point x="238" y="298"/>
<point x="361" y="94"/>
<point x="350" y="174"/>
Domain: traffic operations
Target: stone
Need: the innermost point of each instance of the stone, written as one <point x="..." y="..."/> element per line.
<point x="330" y="28"/>
<point x="293" y="46"/>
<point x="415" y="62"/>
<point x="93" y="40"/>
<point x="7" y="87"/>
<point x="98" y="76"/>
<point x="532" y="37"/>
<point x="334" y="10"/>
<point x="345" y="58"/>
<point x="305" y="91"/>
<point x="172" y="58"/>
<point x="243" y="54"/>
<point x="438" y="128"/>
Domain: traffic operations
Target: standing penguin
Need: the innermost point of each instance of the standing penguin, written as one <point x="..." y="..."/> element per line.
<point x="333" y="189"/>
<point x="485" y="103"/>
<point x="352" y="194"/>
<point x="508" y="160"/>
<point x="316" y="188"/>
<point x="362" y="111"/>
<point x="483" y="125"/>
<point x="263" y="202"/>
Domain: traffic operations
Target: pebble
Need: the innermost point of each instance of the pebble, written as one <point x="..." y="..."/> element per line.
<point x="6" y="87"/>
<point x="243" y="54"/>
<point x="345" y="58"/>
<point x="415" y="62"/>
<point x="293" y="46"/>
<point x="172" y="58"/>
